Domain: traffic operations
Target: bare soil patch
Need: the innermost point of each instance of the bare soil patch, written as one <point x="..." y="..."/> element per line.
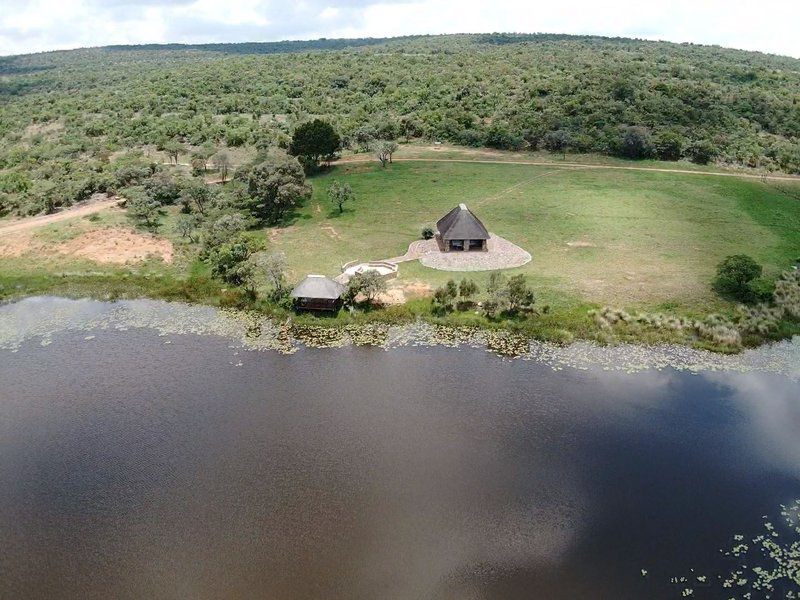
<point x="117" y="246"/>
<point x="399" y="292"/>
<point x="329" y="229"/>
<point x="16" y="244"/>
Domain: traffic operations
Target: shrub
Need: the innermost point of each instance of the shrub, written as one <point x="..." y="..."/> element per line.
<point x="702" y="152"/>
<point x="519" y="295"/>
<point x="762" y="289"/>
<point x="557" y="141"/>
<point x="669" y="145"/>
<point x="635" y="143"/>
<point x="427" y="233"/>
<point x="734" y="275"/>
<point x="369" y="284"/>
<point x="467" y="289"/>
<point x="444" y="296"/>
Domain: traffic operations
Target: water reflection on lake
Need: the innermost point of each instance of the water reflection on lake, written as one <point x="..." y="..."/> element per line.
<point x="135" y="468"/>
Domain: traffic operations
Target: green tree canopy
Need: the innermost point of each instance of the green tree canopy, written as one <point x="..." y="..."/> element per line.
<point x="275" y="187"/>
<point x="314" y="141"/>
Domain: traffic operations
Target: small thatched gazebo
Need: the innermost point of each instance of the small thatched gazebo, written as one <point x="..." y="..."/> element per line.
<point x="317" y="292"/>
<point x="461" y="230"/>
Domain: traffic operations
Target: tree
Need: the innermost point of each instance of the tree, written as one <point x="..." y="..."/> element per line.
<point x="198" y="164"/>
<point x="444" y="296"/>
<point x="339" y="193"/>
<point x="384" y="149"/>
<point x="364" y="136"/>
<point x="519" y="295"/>
<point x="163" y="188"/>
<point x="197" y="193"/>
<point x="369" y="284"/>
<point x="500" y="136"/>
<point x="201" y="156"/>
<point x="273" y="267"/>
<point x="223" y="230"/>
<point x="173" y="149"/>
<point x="142" y="208"/>
<point x="702" y="152"/>
<point x="734" y="275"/>
<point x="557" y="141"/>
<point x="275" y="187"/>
<point x="185" y="225"/>
<point x="410" y="127"/>
<point x="206" y="151"/>
<point x="230" y="262"/>
<point x="314" y="141"/>
<point x="222" y="163"/>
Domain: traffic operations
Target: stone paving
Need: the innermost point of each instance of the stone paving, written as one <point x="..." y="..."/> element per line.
<point x="501" y="254"/>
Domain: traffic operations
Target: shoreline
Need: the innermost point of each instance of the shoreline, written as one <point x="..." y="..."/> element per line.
<point x="43" y="317"/>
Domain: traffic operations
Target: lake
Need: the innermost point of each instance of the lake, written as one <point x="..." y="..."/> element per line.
<point x="147" y="452"/>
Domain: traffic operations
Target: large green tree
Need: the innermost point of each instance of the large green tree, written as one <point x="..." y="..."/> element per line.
<point x="313" y="142"/>
<point x="274" y="188"/>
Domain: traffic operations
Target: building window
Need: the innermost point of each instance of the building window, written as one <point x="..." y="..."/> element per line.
<point x="476" y="244"/>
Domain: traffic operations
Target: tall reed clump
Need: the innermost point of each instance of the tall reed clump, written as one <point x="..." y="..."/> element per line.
<point x="766" y="317"/>
<point x="759" y="320"/>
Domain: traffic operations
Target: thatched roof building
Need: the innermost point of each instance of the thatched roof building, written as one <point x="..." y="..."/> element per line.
<point x="461" y="230"/>
<point x="317" y="292"/>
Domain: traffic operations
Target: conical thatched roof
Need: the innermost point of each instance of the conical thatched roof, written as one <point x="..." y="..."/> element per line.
<point x="461" y="224"/>
<point x="318" y="286"/>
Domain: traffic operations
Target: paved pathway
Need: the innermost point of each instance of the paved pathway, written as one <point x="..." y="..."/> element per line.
<point x="501" y="254"/>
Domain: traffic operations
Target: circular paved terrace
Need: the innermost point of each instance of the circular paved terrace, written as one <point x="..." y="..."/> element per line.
<point x="501" y="254"/>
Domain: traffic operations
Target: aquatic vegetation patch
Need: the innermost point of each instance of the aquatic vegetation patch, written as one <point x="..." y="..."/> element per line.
<point x="43" y="318"/>
<point x="764" y="566"/>
<point x="714" y="328"/>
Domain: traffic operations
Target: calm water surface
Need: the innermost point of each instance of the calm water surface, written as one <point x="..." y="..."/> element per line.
<point x="133" y="468"/>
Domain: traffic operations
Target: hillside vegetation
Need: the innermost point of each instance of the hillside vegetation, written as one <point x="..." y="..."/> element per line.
<point x="70" y="120"/>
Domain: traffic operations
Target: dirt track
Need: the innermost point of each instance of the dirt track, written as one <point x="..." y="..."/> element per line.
<point x="19" y="225"/>
<point x="541" y="163"/>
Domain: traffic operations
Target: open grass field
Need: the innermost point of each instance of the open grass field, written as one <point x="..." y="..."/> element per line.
<point x="628" y="238"/>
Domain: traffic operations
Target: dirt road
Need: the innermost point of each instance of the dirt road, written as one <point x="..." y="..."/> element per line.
<point x="366" y="159"/>
<point x="77" y="211"/>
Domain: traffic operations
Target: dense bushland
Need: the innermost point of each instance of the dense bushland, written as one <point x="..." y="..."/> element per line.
<point x="65" y="116"/>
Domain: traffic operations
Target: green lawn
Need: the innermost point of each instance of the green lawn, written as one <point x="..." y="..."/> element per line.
<point x="628" y="238"/>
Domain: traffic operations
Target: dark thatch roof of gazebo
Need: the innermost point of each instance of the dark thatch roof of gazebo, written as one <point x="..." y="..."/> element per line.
<point x="319" y="287"/>
<point x="461" y="224"/>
